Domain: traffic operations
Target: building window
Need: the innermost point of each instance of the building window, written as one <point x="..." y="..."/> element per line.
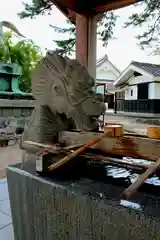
<point x="120" y="95"/>
<point x="131" y="92"/>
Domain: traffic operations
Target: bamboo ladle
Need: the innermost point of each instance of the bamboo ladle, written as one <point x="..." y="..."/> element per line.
<point x="76" y="152"/>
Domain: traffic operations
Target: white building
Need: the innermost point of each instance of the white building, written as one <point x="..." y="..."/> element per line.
<point x="106" y="74"/>
<point x="139" y="86"/>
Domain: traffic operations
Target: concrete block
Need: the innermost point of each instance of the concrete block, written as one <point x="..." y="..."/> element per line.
<point x="7" y="112"/>
<point x="26" y="112"/>
<point x="83" y="209"/>
<point x="16" y="112"/>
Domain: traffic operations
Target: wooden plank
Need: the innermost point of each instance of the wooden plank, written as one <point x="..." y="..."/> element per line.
<point x="131" y="146"/>
<point x="116" y="161"/>
<point x="113" y="5"/>
<point x="80" y="6"/>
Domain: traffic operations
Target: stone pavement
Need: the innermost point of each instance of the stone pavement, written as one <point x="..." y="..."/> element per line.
<point x="8" y="156"/>
<point x="6" y="230"/>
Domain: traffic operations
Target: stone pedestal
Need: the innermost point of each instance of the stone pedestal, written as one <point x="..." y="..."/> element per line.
<point x="82" y="209"/>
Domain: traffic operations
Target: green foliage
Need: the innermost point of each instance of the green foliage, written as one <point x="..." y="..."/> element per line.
<point x="37" y="7"/>
<point x="24" y="53"/>
<point x="106" y="26"/>
<point x="105" y="32"/>
<point x="149" y="15"/>
<point x="67" y="46"/>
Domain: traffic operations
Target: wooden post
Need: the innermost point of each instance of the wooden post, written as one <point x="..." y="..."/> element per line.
<point x="92" y="46"/>
<point x="86" y="42"/>
<point x="82" y="23"/>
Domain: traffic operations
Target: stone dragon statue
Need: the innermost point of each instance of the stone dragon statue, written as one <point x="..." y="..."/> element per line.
<point x="65" y="100"/>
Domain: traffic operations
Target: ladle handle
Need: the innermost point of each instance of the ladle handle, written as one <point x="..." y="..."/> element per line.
<point x="75" y="153"/>
<point x="133" y="188"/>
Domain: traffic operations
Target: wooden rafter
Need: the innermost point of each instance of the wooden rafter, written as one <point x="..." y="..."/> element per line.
<point x="115" y="5"/>
<point x="91" y="7"/>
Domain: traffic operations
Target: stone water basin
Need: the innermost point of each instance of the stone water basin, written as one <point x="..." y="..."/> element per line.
<point x="81" y="168"/>
<point x="82" y="200"/>
<point x="130" y="175"/>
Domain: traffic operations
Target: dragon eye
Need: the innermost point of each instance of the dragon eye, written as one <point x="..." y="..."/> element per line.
<point x="56" y="89"/>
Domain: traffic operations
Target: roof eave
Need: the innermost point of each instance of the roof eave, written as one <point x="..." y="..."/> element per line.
<point x="118" y="71"/>
<point x="115" y="5"/>
<point x="98" y="8"/>
<point x="63" y="10"/>
<point x="128" y="72"/>
<point x="104" y="59"/>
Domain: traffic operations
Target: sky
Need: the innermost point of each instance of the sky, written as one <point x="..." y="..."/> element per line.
<point x="120" y="51"/>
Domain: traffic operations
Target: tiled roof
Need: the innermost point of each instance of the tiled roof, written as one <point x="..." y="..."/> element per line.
<point x="105" y="59"/>
<point x="153" y="69"/>
<point x="102" y="60"/>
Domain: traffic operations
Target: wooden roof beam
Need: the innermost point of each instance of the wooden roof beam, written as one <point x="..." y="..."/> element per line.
<point x="115" y="5"/>
<point x="93" y="8"/>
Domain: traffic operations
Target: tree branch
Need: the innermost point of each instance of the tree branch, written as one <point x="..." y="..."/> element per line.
<point x="36" y="8"/>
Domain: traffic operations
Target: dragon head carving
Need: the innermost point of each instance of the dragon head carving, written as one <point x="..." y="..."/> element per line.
<point x="65" y="86"/>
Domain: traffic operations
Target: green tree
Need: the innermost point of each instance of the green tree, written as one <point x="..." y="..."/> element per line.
<point x="41" y="7"/>
<point x="105" y="32"/>
<point x="149" y="15"/>
<point x="25" y="53"/>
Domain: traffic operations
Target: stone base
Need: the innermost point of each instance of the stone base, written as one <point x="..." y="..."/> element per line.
<point x="83" y="209"/>
<point x="15" y="113"/>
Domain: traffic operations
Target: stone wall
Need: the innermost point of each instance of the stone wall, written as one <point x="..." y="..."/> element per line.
<point x="15" y="113"/>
